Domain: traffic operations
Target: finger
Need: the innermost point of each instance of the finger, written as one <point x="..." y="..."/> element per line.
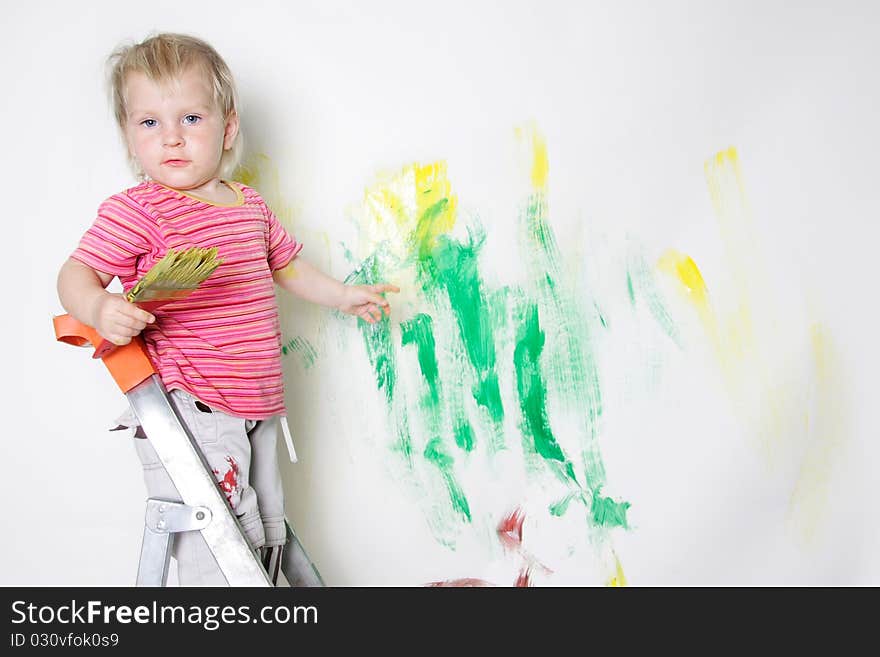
<point x="379" y="288"/>
<point x="126" y="323"/>
<point x="125" y="334"/>
<point x="144" y="316"/>
<point x="138" y="313"/>
<point x="370" y="309"/>
<point x="376" y="299"/>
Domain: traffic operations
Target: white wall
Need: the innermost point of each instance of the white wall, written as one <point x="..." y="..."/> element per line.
<point x="756" y="469"/>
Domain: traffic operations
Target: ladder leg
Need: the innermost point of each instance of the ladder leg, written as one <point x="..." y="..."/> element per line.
<point x="296" y="565"/>
<point x="155" y="555"/>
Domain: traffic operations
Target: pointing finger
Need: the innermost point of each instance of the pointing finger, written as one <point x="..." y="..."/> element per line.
<point x="384" y="287"/>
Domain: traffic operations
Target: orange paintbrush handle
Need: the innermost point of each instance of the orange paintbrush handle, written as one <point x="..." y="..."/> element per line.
<point x="129" y="364"/>
<point x="104" y="347"/>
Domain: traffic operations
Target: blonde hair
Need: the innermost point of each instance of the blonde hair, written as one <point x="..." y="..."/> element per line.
<point x="163" y="58"/>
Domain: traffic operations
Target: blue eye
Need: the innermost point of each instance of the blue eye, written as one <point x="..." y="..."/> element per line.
<point x="191" y="119"/>
<point x="149" y="123"/>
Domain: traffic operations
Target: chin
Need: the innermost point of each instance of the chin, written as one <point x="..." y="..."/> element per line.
<point x="178" y="182"/>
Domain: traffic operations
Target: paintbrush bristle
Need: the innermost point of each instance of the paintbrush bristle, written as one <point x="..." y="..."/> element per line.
<point x="175" y="275"/>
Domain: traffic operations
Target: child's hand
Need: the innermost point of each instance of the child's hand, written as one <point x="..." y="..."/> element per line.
<point x="118" y="320"/>
<point x="365" y="301"/>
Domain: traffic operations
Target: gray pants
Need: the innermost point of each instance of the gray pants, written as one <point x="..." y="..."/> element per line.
<point x="242" y="454"/>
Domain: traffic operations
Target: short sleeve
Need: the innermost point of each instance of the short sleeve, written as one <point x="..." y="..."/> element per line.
<point x="282" y="246"/>
<point x="116" y="239"/>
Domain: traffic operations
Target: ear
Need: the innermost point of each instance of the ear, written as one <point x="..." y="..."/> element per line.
<point x="231" y="130"/>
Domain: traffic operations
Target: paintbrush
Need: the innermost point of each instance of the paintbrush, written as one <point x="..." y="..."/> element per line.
<point x="173" y="278"/>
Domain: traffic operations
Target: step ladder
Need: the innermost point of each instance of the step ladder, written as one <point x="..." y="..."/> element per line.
<point x="204" y="507"/>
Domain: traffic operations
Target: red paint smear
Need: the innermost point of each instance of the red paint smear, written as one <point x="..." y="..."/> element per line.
<point x="510" y="529"/>
<point x="510" y="533"/>
<point x="464" y="582"/>
<point x="229" y="482"/>
<point x="524" y="579"/>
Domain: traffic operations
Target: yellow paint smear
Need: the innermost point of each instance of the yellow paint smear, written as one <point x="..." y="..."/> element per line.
<point x="787" y="394"/>
<point x="436" y="206"/>
<point x="685" y="270"/>
<point x="538" y="146"/>
<point x="825" y="430"/>
<point x="619" y="579"/>
<point x="405" y="211"/>
<point x="727" y="192"/>
<point x="258" y="171"/>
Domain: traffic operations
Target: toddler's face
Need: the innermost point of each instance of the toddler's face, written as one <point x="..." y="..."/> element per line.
<point x="175" y="131"/>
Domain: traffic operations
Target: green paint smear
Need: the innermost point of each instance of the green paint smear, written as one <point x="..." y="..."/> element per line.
<point x="420" y="331"/>
<point x="559" y="508"/>
<point x="380" y="351"/>
<point x="377" y="337"/>
<point x="571" y="365"/>
<point x="464" y="436"/>
<point x="435" y="453"/>
<point x="304" y="348"/>
<point x="347" y="252"/>
<point x="452" y="267"/>
<point x="499" y="307"/>
<point x="641" y="282"/>
<point x="403" y="444"/>
<point x="419" y="239"/>
<point x="608" y="513"/>
<point x="571" y="362"/>
<point x="533" y="393"/>
<point x="600" y="316"/>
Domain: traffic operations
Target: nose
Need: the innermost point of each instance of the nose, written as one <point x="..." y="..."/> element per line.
<point x="171" y="136"/>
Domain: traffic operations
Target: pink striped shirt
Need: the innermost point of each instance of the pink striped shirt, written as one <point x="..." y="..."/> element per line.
<point x="221" y="344"/>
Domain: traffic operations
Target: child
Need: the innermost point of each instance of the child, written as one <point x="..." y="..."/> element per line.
<point x="218" y="351"/>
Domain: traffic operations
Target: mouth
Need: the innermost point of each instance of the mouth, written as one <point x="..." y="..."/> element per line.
<point x="175" y="163"/>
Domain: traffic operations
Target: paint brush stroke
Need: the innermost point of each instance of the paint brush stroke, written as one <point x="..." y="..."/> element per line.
<point x="754" y="347"/>
<point x="754" y="353"/>
<point x="642" y="286"/>
<point x="741" y="325"/>
<point x="826" y="437"/>
<point x="682" y="268"/>
<point x="571" y="359"/>
<point x="377" y="337"/>
<point x="419" y="331"/>
<point x="452" y="266"/>
<point x="303" y="348"/>
<point x="380" y="351"/>
<point x="436" y="453"/>
<point x="619" y="579"/>
<point x="532" y="392"/>
<point x="572" y="370"/>
<point x="510" y="529"/>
